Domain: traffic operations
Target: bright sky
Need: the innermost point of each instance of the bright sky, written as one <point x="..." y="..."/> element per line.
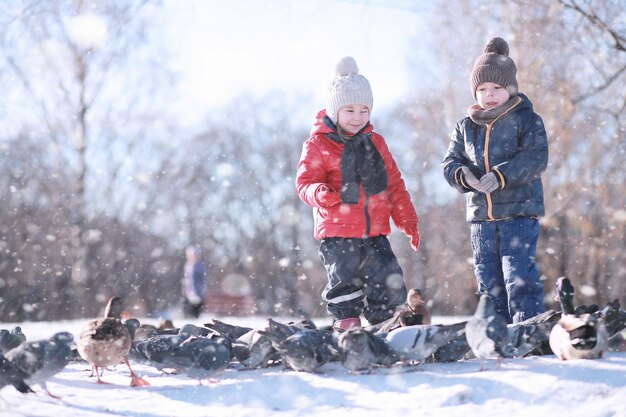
<point x="226" y="47"/>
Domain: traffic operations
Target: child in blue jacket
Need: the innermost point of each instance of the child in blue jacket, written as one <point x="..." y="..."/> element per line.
<point x="496" y="157"/>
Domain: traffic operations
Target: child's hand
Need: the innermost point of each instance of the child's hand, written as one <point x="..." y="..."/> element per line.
<point x="412" y="231"/>
<point x="415" y="240"/>
<point x="327" y="198"/>
<point x="488" y="183"/>
<point x="470" y="178"/>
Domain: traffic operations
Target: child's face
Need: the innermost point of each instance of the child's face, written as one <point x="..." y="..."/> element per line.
<point x="490" y="95"/>
<point x="353" y="117"/>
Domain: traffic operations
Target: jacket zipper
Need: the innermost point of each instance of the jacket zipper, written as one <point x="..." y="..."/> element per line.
<point x="367" y="216"/>
<point x="486" y="158"/>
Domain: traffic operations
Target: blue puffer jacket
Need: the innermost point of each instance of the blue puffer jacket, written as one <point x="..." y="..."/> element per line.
<point x="515" y="147"/>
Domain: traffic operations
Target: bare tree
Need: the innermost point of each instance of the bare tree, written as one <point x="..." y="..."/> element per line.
<point x="67" y="61"/>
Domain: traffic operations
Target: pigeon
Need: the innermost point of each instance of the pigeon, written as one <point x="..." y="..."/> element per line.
<point x="290" y="328"/>
<point x="586" y="309"/>
<point x="105" y="342"/>
<point x="11" y="339"/>
<point x="133" y="325"/>
<point x="420" y="342"/>
<point x="10" y="375"/>
<point x="414" y="312"/>
<point x="617" y="342"/>
<point x="38" y="361"/>
<point x="531" y="336"/>
<point x="156" y="350"/>
<point x="301" y="347"/>
<point x="487" y="333"/>
<point x="362" y="350"/>
<point x="582" y="336"/>
<point x="146" y="331"/>
<point x="456" y="349"/>
<point x="254" y="350"/>
<point x="228" y="330"/>
<point x="200" y="357"/>
<point x="612" y="317"/>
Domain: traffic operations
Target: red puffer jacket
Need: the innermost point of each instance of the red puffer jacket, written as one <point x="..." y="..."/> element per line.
<point x="320" y="164"/>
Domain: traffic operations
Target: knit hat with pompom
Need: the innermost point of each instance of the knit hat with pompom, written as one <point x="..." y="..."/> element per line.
<point x="495" y="66"/>
<point x="348" y="87"/>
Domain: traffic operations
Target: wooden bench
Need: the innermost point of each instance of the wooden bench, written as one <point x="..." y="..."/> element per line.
<point x="225" y="304"/>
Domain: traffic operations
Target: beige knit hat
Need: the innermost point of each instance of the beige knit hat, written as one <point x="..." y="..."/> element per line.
<point x="495" y="66"/>
<point x="348" y="87"/>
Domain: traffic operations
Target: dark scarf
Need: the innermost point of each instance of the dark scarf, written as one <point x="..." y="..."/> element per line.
<point x="361" y="163"/>
<point x="485" y="117"/>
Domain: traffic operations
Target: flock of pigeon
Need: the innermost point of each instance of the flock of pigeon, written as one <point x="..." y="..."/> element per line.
<point x="408" y="338"/>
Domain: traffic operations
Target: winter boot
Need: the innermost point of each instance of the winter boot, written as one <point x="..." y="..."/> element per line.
<point x="345" y="324"/>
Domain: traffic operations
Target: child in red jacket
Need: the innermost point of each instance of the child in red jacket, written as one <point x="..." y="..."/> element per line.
<point x="347" y="174"/>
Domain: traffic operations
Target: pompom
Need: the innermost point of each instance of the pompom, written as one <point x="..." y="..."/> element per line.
<point x="497" y="46"/>
<point x="346" y="65"/>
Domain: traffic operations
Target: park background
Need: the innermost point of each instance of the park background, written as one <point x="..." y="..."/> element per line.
<point x="131" y="129"/>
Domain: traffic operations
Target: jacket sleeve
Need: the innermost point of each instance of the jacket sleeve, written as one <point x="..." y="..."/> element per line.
<point x="455" y="159"/>
<point x="531" y="160"/>
<point x="199" y="278"/>
<point x="402" y="208"/>
<point x="311" y="173"/>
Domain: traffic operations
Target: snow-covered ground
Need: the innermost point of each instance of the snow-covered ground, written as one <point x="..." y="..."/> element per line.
<point x="528" y="387"/>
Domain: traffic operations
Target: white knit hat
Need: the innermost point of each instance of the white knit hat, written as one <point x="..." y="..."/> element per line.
<point x="348" y="87"/>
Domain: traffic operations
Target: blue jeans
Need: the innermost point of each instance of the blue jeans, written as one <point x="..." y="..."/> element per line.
<point x="364" y="276"/>
<point x="504" y="265"/>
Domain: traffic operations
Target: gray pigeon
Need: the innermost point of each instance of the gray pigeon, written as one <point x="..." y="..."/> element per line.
<point x="156" y="350"/>
<point x="420" y="342"/>
<point x="254" y="350"/>
<point x="612" y="317"/>
<point x="363" y="350"/>
<point x="40" y="360"/>
<point x="285" y="330"/>
<point x="200" y="357"/>
<point x="11" y="339"/>
<point x="487" y="333"/>
<point x="530" y="337"/>
<point x="614" y="320"/>
<point x="10" y="375"/>
<point x="456" y="349"/>
<point x="138" y="333"/>
<point x="301" y="347"/>
<point x="228" y="330"/>
<point x="617" y="342"/>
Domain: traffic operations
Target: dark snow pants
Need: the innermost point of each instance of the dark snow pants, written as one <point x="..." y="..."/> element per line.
<point x="504" y="265"/>
<point x="364" y="276"/>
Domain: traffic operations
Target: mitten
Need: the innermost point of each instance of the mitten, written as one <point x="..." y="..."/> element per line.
<point x="327" y="198"/>
<point x="412" y="231"/>
<point x="415" y="240"/>
<point x="470" y="178"/>
<point x="488" y="183"/>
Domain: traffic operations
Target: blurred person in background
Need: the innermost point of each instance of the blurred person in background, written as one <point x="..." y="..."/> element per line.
<point x="194" y="284"/>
